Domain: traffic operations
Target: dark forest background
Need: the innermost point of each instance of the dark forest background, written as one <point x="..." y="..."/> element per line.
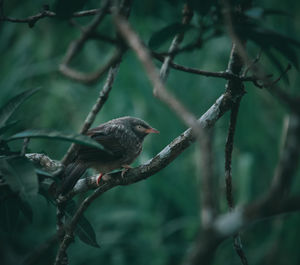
<point x="154" y="221"/>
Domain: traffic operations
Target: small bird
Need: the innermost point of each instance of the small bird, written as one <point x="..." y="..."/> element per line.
<point x="122" y="138"/>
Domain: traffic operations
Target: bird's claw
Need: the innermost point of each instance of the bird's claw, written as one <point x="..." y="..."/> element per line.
<point x="125" y="169"/>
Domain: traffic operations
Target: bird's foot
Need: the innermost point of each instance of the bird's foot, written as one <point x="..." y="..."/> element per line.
<point x="99" y="178"/>
<point x="125" y="169"/>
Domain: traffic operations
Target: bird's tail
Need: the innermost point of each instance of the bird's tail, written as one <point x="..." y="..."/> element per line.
<point x="71" y="175"/>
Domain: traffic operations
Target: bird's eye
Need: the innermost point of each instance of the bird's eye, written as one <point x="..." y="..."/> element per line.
<point x="139" y="127"/>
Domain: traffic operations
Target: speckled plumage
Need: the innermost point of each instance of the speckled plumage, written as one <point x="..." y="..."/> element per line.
<point x="122" y="137"/>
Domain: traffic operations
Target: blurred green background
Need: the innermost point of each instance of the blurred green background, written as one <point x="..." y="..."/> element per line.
<point x="153" y="221"/>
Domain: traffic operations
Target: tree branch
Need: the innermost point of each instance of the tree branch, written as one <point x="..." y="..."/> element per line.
<point x="228" y="154"/>
<point x="90" y="78"/>
<point x="237" y="243"/>
<point x="224" y="75"/>
<point x="31" y="20"/>
<point x="76" y="46"/>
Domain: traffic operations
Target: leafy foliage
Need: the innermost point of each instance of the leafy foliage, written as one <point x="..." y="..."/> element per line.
<point x="7" y="110"/>
<point x="157" y="219"/>
<point x="51" y="134"/>
<point x="84" y="229"/>
<point x="268" y="39"/>
<point x="20" y="175"/>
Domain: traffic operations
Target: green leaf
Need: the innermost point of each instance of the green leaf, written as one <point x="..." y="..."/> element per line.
<point x="65" y="9"/>
<point x="276" y="63"/>
<point x="167" y="33"/>
<point x="7" y="126"/>
<point x="84" y="229"/>
<point x="10" y="107"/>
<point x="43" y="172"/>
<point x="86" y="233"/>
<point x="268" y="39"/>
<point x="255" y="12"/>
<point x="279" y="42"/>
<point x="259" y="13"/>
<point x="26" y="209"/>
<point x="56" y="135"/>
<point x="20" y="175"/>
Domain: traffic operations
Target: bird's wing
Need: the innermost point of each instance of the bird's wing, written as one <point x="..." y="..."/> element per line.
<point x="110" y="139"/>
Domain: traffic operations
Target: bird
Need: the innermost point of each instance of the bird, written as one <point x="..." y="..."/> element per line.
<point x="122" y="139"/>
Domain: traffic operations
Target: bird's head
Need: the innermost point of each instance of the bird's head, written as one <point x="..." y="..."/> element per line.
<point x="139" y="127"/>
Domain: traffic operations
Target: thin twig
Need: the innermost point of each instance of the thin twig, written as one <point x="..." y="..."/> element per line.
<point x="236" y="65"/>
<point x="31" y="20"/>
<point x="228" y="154"/>
<point x="251" y="65"/>
<point x="167" y="60"/>
<point x="224" y="75"/>
<point x="25" y="146"/>
<point x="77" y="45"/>
<point x="90" y="78"/>
<point x="228" y="177"/>
<point x="274" y="82"/>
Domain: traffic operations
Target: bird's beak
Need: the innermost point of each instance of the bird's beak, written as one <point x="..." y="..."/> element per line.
<point x="151" y="130"/>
